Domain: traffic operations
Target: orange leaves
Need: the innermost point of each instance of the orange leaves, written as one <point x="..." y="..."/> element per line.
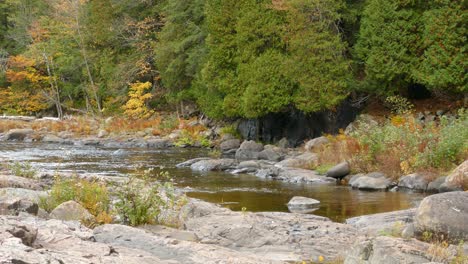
<point x="21" y="68"/>
<point x="20" y="62"/>
<point x="14" y="101"/>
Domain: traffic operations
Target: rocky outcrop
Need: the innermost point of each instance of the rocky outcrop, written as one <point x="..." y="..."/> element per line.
<point x="376" y="224"/>
<point x="70" y="211"/>
<point x="10" y="181"/>
<point x="274" y="236"/>
<point x="391" y="250"/>
<point x="444" y="214"/>
<point x="315" y="143"/>
<point x="299" y="204"/>
<point x="414" y="182"/>
<point x="297" y="126"/>
<point x="18" y="134"/>
<point x="372" y="181"/>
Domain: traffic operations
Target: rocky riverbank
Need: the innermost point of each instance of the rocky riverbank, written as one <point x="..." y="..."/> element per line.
<point x="208" y="233"/>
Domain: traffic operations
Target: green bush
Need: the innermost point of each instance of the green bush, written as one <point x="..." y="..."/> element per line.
<point x="90" y="194"/>
<point x="22" y="170"/>
<point x="141" y="199"/>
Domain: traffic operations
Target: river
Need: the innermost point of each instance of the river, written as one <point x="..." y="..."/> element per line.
<point x="238" y="192"/>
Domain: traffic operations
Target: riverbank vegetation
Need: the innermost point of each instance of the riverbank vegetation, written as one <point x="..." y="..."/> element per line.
<point x="232" y="58"/>
<point x="402" y="145"/>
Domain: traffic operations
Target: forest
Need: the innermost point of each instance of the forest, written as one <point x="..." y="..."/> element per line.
<point x="233" y="58"/>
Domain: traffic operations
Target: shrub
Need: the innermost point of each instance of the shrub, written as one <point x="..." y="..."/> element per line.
<point x="138" y="96"/>
<point x="22" y="170"/>
<point x="141" y="199"/>
<point x="90" y="194"/>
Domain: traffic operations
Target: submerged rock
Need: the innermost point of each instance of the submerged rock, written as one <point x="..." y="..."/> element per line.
<point x="214" y="165"/>
<point x="299" y="204"/>
<point x="444" y="213"/>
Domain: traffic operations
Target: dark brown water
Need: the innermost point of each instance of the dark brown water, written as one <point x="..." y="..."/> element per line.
<point x="233" y="191"/>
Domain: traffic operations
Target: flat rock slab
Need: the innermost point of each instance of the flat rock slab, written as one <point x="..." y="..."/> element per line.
<point x="376" y="223"/>
<point x="171" y="249"/>
<point x="281" y="236"/>
<point x="391" y="250"/>
<point x="302" y="176"/>
<point x="214" y="165"/>
<point x="10" y="181"/>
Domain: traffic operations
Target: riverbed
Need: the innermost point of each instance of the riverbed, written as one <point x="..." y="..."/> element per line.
<point x="235" y="191"/>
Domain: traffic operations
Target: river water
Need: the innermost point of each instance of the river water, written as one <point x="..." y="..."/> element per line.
<point x="233" y="191"/>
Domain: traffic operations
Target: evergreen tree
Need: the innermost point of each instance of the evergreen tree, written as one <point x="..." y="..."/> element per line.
<point x="443" y="63"/>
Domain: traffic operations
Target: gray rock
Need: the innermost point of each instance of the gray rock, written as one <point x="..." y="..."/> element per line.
<point x="230" y="144"/>
<point x="282" y="237"/>
<point x="375" y="224"/>
<point x="408" y="231"/>
<point x="270" y="154"/>
<point x="189" y="163"/>
<point x="251" y="145"/>
<point x="434" y="186"/>
<point x="339" y="171"/>
<point x="249" y="150"/>
<point x="315" y="143"/>
<point x="387" y="250"/>
<point x="299" y="204"/>
<point x="414" y="182"/>
<point x="50" y="138"/>
<point x="459" y="176"/>
<point x="11" y="193"/>
<point x="304" y="161"/>
<point x="444" y="213"/>
<point x="70" y="211"/>
<point x="214" y="165"/>
<point x="102" y="133"/>
<point x="168" y="248"/>
<point x="371" y="181"/>
<point x="268" y="172"/>
<point x="10" y="181"/>
<point x="18" y="134"/>
<point x="35" y="240"/>
<point x="159" y="143"/>
<point x="14" y="206"/>
<point x="448" y="187"/>
<point x="250" y="164"/>
<point x="302" y="176"/>
<point x="283" y="143"/>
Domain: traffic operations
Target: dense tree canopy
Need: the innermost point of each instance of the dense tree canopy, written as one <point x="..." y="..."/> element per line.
<point x="242" y="58"/>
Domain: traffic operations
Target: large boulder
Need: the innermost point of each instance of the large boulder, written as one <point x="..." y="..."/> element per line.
<point x="458" y="177"/>
<point x="435" y="185"/>
<point x="339" y="171"/>
<point x="214" y="165"/>
<point x="315" y="143"/>
<point x="414" y="182"/>
<point x="371" y="181"/>
<point x="270" y="154"/>
<point x="299" y="204"/>
<point x="70" y="211"/>
<point x="444" y="213"/>
<point x="18" y="134"/>
<point x="249" y="150"/>
<point x="230" y="144"/>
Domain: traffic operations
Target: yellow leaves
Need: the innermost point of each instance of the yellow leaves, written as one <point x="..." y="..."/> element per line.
<point x="14" y="101"/>
<point x="20" y="62"/>
<point x="136" y="105"/>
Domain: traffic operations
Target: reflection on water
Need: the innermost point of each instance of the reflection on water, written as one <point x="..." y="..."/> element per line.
<point x="233" y="191"/>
